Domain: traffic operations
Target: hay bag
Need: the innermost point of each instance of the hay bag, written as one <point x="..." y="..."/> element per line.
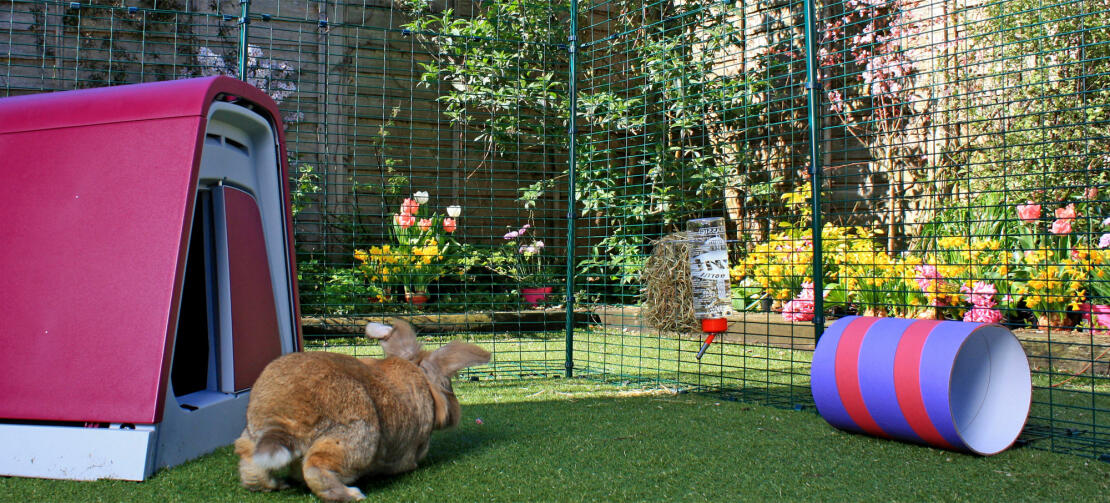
<point x="666" y="292"/>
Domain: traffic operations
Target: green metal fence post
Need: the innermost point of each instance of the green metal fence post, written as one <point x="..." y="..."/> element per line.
<point x="572" y="134"/>
<point x="813" y="88"/>
<point x="244" y="22"/>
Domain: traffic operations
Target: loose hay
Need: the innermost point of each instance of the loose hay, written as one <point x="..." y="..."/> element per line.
<point x="660" y="391"/>
<point x="666" y="291"/>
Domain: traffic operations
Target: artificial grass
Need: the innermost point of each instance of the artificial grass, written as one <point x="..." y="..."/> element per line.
<point x="575" y="440"/>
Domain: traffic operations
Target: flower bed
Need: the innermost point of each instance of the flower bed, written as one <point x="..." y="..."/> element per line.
<point x="1049" y="271"/>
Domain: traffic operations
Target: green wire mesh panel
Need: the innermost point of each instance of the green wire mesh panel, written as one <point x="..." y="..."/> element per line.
<point x="54" y="46"/>
<point x="965" y="150"/>
<point x="454" y="107"/>
<point x="689" y="110"/>
<point x="427" y="141"/>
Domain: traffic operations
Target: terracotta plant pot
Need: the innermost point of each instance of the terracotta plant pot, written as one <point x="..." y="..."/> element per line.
<point x="535" y="295"/>
<point x="416" y="298"/>
<point x="1053" y="320"/>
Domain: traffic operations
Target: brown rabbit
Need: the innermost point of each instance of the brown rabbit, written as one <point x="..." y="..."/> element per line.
<point x="335" y="418"/>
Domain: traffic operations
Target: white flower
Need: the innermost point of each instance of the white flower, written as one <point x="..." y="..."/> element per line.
<point x="421" y="197"/>
<point x="538" y="244"/>
<point x="1106" y="222"/>
<point x="454" y="211"/>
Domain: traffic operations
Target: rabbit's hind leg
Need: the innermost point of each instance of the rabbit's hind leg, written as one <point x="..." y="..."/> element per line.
<point x="254" y="477"/>
<point x="324" y="472"/>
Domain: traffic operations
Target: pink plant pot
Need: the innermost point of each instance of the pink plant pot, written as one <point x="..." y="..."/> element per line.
<point x="535" y="295"/>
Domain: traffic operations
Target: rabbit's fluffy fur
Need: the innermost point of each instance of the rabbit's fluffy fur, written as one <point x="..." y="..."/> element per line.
<point x="332" y="418"/>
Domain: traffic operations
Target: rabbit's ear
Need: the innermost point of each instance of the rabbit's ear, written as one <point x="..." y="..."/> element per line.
<point x="378" y="330"/>
<point x="456" y="356"/>
<point x="398" y="340"/>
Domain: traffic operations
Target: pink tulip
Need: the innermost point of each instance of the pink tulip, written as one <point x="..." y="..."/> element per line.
<point x="409" y="207"/>
<point x="449" y="224"/>
<point x="1029" y="212"/>
<point x="1061" y="226"/>
<point x="1067" y="212"/>
<point x="424" y="224"/>
<point x="405" y="221"/>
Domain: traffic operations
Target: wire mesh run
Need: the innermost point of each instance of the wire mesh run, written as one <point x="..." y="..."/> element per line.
<point x="519" y="173"/>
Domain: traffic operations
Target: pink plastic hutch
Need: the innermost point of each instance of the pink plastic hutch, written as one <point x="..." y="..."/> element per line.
<point x="147" y="273"/>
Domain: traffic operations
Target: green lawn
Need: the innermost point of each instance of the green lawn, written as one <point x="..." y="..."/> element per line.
<point x="576" y="440"/>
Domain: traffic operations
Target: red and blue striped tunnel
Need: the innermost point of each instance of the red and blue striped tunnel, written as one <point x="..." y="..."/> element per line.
<point x="950" y="384"/>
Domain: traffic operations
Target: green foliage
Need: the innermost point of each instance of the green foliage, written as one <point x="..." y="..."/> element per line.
<point x="1037" y="81"/>
<point x="329" y="290"/>
<point x="678" y="127"/>
<point x="677" y="119"/>
<point x="499" y="70"/>
<point x="306" y="183"/>
<point x="987" y="215"/>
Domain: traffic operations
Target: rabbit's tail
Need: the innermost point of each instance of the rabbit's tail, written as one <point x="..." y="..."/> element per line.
<point x="274" y="449"/>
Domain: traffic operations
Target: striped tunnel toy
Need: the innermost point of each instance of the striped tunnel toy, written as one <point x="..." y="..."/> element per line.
<point x="950" y="384"/>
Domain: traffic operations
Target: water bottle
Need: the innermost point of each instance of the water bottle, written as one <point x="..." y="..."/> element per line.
<point x="709" y="276"/>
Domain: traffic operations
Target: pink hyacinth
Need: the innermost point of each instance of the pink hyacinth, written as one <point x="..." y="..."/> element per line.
<point x="983" y="315"/>
<point x="928" y="279"/>
<point x="1104" y="241"/>
<point x="1029" y="212"/>
<point x="801" y="308"/>
<point x="798" y="310"/>
<point x="926" y="274"/>
<point x="981" y="294"/>
<point x="807" y="291"/>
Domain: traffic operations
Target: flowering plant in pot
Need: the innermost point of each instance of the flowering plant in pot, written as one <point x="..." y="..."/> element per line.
<point x="422" y="250"/>
<point x="524" y="259"/>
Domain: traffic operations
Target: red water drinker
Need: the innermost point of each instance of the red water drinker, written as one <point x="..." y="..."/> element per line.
<point x="709" y="279"/>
